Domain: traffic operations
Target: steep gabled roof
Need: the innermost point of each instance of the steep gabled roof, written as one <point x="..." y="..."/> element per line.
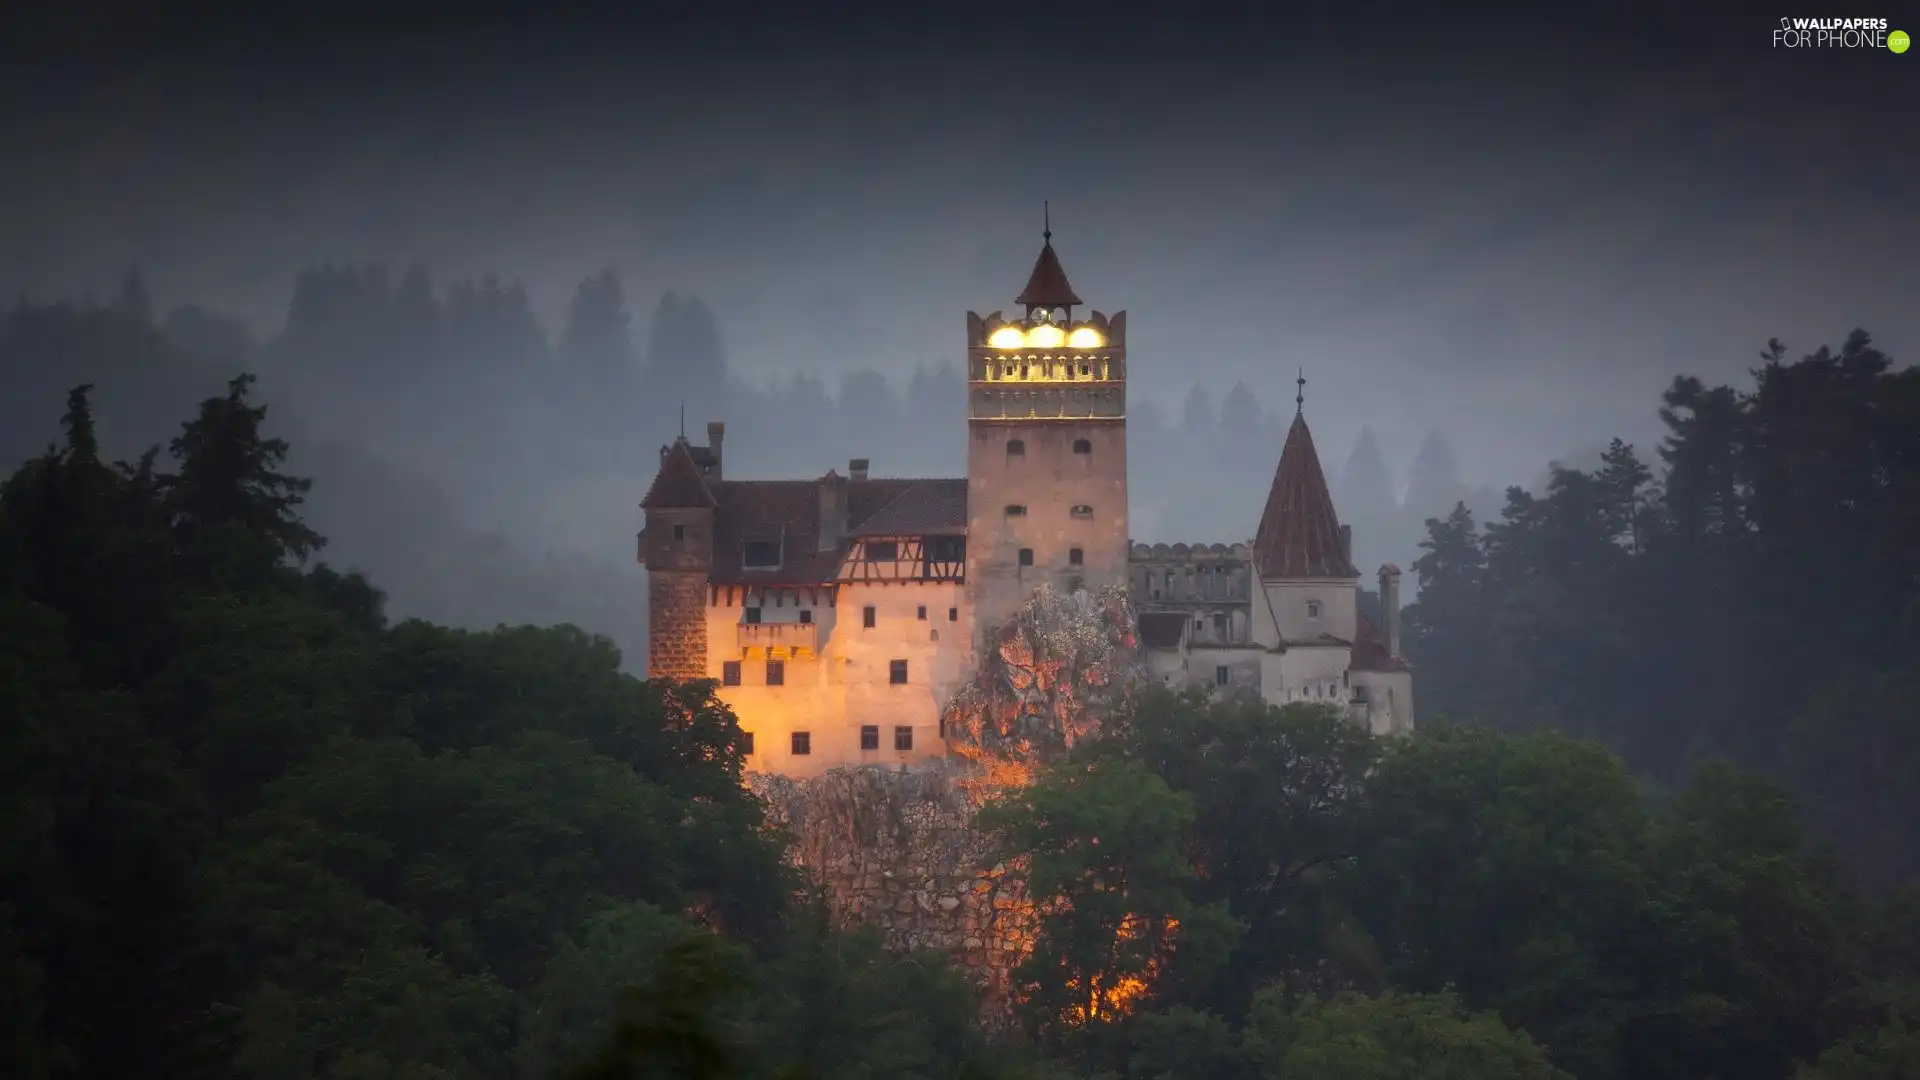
<point x="925" y="508"/>
<point x="1370" y="650"/>
<point x="1299" y="535"/>
<point x="678" y="483"/>
<point x="1047" y="286"/>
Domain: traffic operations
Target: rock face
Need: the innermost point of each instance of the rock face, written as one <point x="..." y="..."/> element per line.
<point x="897" y="851"/>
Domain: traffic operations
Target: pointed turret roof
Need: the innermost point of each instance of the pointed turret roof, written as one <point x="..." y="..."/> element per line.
<point x="679" y="483"/>
<point x="1047" y="286"/>
<point x="1299" y="533"/>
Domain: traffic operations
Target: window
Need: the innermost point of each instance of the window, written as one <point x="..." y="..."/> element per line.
<point x="1083" y="446"/>
<point x="902" y="737"/>
<point x="806" y="616"/>
<point x="760" y="554"/>
<point x="1016" y="510"/>
<point x="897" y="672"/>
<point x="870" y="737"/>
<point x="1016" y="447"/>
<point x="746" y="742"/>
<point x="802" y="743"/>
<point x="1026" y="556"/>
<point x="1221" y="676"/>
<point x="1220" y="627"/>
<point x="953" y="614"/>
<point x="776" y="673"/>
<point x="882" y="550"/>
<point x="866" y="616"/>
<point x="750" y="616"/>
<point x="730" y="673"/>
<point x="922" y="616"/>
<point x="1076" y="557"/>
<point x="1076" y="583"/>
<point x="679" y="532"/>
<point x="1313" y="609"/>
<point x="946" y="548"/>
<point x="1083" y="511"/>
<point x="1199" y="624"/>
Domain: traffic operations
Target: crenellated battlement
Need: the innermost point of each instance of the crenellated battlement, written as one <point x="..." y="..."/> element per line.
<point x="1190" y="552"/>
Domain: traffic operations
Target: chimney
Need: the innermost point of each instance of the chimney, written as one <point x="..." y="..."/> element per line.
<point x="1390" y="606"/>
<point x="857" y="469"/>
<point x="1346" y="542"/>
<point x="716" y="434"/>
<point x="833" y="511"/>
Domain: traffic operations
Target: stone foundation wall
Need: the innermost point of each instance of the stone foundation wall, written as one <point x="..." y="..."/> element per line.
<point x="896" y="850"/>
<point x="676" y="624"/>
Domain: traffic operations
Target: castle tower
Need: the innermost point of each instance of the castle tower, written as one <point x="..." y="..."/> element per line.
<point x="677" y="548"/>
<point x="1302" y="553"/>
<point x="1046" y="446"/>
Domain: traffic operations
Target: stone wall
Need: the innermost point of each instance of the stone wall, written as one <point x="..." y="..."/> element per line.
<point x="897" y="851"/>
<point x="676" y="624"/>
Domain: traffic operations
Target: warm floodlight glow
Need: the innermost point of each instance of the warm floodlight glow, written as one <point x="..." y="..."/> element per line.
<point x="1007" y="337"/>
<point x="1046" y="337"/>
<point x="1085" y="338"/>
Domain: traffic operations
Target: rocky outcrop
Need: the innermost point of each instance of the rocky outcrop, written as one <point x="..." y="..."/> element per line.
<point x="897" y="851"/>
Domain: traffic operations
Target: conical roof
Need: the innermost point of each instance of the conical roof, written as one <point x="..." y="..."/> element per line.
<point x="678" y="483"/>
<point x="1047" y="286"/>
<point x="1299" y="535"/>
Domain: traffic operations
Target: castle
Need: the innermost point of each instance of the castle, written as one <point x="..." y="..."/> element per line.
<point x="838" y="614"/>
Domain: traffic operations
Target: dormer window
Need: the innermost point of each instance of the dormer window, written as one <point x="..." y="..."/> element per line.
<point x="1313" y="609"/>
<point x="760" y="555"/>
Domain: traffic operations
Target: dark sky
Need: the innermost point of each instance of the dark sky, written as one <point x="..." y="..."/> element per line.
<point x="1515" y="230"/>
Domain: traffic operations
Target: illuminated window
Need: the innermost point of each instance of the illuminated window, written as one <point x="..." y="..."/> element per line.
<point x="866" y="617"/>
<point x="802" y="743"/>
<point x="1083" y="511"/>
<point x="870" y="737"/>
<point x="730" y="673"/>
<point x="902" y="737"/>
<point x="750" y="616"/>
<point x="1016" y="447"/>
<point x="882" y="550"/>
<point x="776" y="673"/>
<point x="1026" y="556"/>
<point x="1083" y="446"/>
<point x="897" y="672"/>
<point x="1076" y="557"/>
<point x="1016" y="510"/>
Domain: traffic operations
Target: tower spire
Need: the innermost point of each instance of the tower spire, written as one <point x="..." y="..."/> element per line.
<point x="683" y="421"/>
<point x="1046" y="220"/>
<point x="1300" y="398"/>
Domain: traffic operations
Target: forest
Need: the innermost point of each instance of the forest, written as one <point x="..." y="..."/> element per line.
<point x="1656" y="822"/>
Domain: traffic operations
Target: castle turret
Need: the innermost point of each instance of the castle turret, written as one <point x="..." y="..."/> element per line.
<point x="1046" y="446"/>
<point x="677" y="548"/>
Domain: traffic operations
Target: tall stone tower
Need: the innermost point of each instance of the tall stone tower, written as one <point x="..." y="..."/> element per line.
<point x="677" y="547"/>
<point x="1046" y="446"/>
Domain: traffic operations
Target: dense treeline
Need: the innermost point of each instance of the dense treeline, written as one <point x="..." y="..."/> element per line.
<point x="249" y="829"/>
<point x="1753" y="595"/>
<point x="1243" y="891"/>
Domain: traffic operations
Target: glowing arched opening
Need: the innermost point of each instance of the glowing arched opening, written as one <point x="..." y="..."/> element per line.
<point x="1085" y="338"/>
<point x="1007" y="337"/>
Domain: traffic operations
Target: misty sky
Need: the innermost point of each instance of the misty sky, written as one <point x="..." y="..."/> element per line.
<point x="1514" y="232"/>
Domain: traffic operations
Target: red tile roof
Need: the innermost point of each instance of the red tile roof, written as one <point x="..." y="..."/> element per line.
<point x="1047" y="286"/>
<point x="1370" y="650"/>
<point x="678" y="483"/>
<point x="925" y="508"/>
<point x="1299" y="535"/>
<point x="787" y="512"/>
